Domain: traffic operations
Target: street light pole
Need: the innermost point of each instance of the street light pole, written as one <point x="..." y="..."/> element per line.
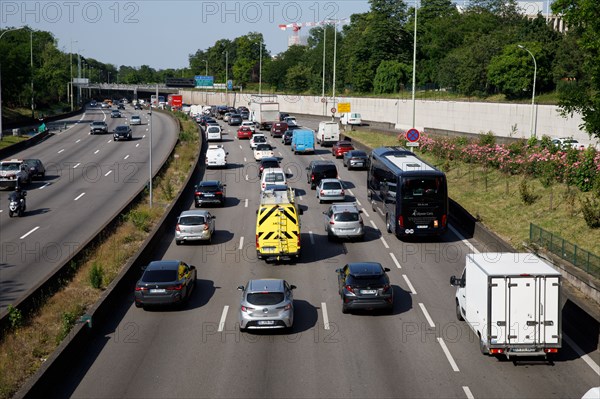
<point x="71" y="75"/>
<point x="260" y="70"/>
<point x="226" y="75"/>
<point x="3" y="33"/>
<point x="206" y="72"/>
<point x="323" y="85"/>
<point x="334" y="57"/>
<point x="414" y="74"/>
<point x="532" y="127"/>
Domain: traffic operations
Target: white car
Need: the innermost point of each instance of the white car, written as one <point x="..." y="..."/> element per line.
<point x="257" y="139"/>
<point x="566" y="142"/>
<point x="216" y="156"/>
<point x="272" y="176"/>
<point x="213" y="133"/>
<point x="263" y="151"/>
<point x="135" y="120"/>
<point x="250" y="124"/>
<point x="330" y="190"/>
<point x="291" y="121"/>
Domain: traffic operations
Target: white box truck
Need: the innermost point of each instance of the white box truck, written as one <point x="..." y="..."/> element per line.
<point x="264" y="111"/>
<point x="511" y="301"/>
<point x="328" y="133"/>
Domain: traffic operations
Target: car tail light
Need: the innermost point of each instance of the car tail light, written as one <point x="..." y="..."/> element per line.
<point x="551" y="350"/>
<point x="386" y="287"/>
<point x="298" y="241"/>
<point x="177" y="287"/>
<point x="288" y="306"/>
<point x="343" y="193"/>
<point x="198" y="193"/>
<point x="177" y="227"/>
<point x="496" y="351"/>
<point x="444" y="220"/>
<point x="321" y="192"/>
<point x="139" y="288"/>
<point x="247" y="308"/>
<point x="264" y="185"/>
<point x="219" y="192"/>
<point x="349" y="288"/>
<point x="312" y="177"/>
<point x="401" y="221"/>
<point x="331" y="221"/>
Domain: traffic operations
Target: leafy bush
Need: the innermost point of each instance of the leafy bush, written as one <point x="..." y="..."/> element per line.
<point x="96" y="275"/>
<point x="68" y="320"/>
<point x="140" y="218"/>
<point x="527" y="196"/>
<point x="15" y="317"/>
<point x="487" y="139"/>
<point x="590" y="207"/>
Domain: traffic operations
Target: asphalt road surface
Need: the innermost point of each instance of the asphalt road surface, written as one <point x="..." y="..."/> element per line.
<point x="88" y="179"/>
<point x="420" y="351"/>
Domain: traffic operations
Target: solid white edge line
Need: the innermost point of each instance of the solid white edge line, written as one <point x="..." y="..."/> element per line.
<point x="379" y="210"/>
<point x="373" y="224"/>
<point x="358" y="202"/>
<point x="426" y="313"/>
<point x="325" y="316"/>
<point x="108" y="173"/>
<point x="241" y="243"/>
<point x="385" y="244"/>
<point x="351" y="193"/>
<point x="223" y="317"/>
<point x="468" y="392"/>
<point x="464" y="240"/>
<point x="79" y="196"/>
<point x="45" y="185"/>
<point x="312" y="240"/>
<point x="410" y="286"/>
<point x="395" y="260"/>
<point x="448" y="354"/>
<point x="246" y="203"/>
<point x="365" y="212"/>
<point x="29" y="232"/>
<point x="582" y="354"/>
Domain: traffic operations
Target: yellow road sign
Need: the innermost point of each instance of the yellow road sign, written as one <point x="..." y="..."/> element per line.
<point x="343" y="108"/>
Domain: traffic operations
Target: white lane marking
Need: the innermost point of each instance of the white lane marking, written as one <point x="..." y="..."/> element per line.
<point x="245" y="159"/>
<point x="395" y="261"/>
<point x="464" y="240"/>
<point x="241" y="148"/>
<point x="365" y="212"/>
<point x="358" y="202"/>
<point x="351" y="193"/>
<point x="468" y="392"/>
<point x="61" y="151"/>
<point x="280" y="154"/>
<point x="246" y="177"/>
<point x="137" y="145"/>
<point x="426" y="313"/>
<point x="77" y="141"/>
<point x="108" y="141"/>
<point x="223" y="317"/>
<point x="410" y="286"/>
<point x="246" y="203"/>
<point x="373" y="224"/>
<point x="144" y="136"/>
<point x="126" y="156"/>
<point x="321" y="158"/>
<point x="29" y="232"/>
<point x="241" y="243"/>
<point x="0" y="210"/>
<point x="300" y="197"/>
<point x="582" y="354"/>
<point x="97" y="151"/>
<point x="379" y="210"/>
<point x="312" y="239"/>
<point x="108" y="173"/>
<point x="325" y="316"/>
<point x="289" y="171"/>
<point x="447" y="353"/>
<point x="79" y="196"/>
<point x="385" y="244"/>
<point x="45" y="185"/>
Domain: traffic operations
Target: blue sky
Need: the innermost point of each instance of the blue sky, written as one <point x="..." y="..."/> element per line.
<point x="162" y="33"/>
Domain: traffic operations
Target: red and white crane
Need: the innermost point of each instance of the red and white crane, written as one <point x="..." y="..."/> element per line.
<point x="296" y="26"/>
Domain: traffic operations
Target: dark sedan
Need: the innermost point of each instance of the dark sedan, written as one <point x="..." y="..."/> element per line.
<point x="122" y="132"/>
<point x="286" y="139"/>
<point x="36" y="168"/>
<point x="355" y="159"/>
<point x="235" y="120"/>
<point x="165" y="282"/>
<point x="365" y="285"/>
<point x="209" y="192"/>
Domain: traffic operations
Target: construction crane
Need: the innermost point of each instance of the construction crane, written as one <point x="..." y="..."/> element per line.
<point x="296" y="26"/>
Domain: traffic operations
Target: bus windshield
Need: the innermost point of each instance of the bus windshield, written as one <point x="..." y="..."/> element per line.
<point x="422" y="187"/>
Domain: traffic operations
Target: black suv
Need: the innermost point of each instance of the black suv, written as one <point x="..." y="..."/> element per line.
<point x="267" y="162"/>
<point x="122" y="132"/>
<point x="98" y="127"/>
<point x="365" y="285"/>
<point x="209" y="192"/>
<point x="318" y="170"/>
<point x="286" y="139"/>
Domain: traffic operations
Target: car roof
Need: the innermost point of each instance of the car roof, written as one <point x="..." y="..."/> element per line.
<point x="358" y="152"/>
<point x="344" y="207"/>
<point x="330" y="180"/>
<point x="164" y="265"/>
<point x="122" y="127"/>
<point x="194" y="212"/>
<point x="273" y="170"/>
<point x="360" y="269"/>
<point x="209" y="183"/>
<point x="323" y="162"/>
<point x="269" y="159"/>
<point x="134" y="116"/>
<point x="267" y="284"/>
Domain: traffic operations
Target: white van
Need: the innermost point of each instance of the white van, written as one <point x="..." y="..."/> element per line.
<point x="216" y="156"/>
<point x="272" y="176"/>
<point x="352" y="118"/>
<point x="328" y="133"/>
<point x="213" y="133"/>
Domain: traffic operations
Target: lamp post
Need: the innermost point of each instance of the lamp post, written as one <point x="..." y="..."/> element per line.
<point x="226" y="73"/>
<point x="3" y="33"/>
<point x="533" y="127"/>
<point x="323" y="85"/>
<point x="71" y="76"/>
<point x="414" y="72"/>
<point x="260" y="70"/>
<point x="206" y="71"/>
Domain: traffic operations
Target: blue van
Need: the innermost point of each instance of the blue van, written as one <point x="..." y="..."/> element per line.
<point x="303" y="140"/>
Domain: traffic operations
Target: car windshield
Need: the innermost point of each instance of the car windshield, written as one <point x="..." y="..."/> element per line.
<point x="263" y="147"/>
<point x="208" y="188"/>
<point x="135" y="117"/>
<point x="9" y="167"/>
<point x="274" y="177"/>
<point x="358" y="154"/>
<point x="213" y="129"/>
<point x="417" y="187"/>
<point x="159" y="276"/>
<point x="265" y="298"/>
<point x="192" y="220"/>
<point x="270" y="164"/>
<point x="344" y="145"/>
<point x="346" y="217"/>
<point x="121" y="128"/>
<point x="366" y="281"/>
<point x="259" y="139"/>
<point x="98" y="123"/>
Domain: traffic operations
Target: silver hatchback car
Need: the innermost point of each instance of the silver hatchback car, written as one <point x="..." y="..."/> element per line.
<point x="266" y="303"/>
<point x="195" y="225"/>
<point x="330" y="190"/>
<point x="344" y="221"/>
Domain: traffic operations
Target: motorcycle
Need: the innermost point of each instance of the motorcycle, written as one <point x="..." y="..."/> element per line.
<point x="16" y="204"/>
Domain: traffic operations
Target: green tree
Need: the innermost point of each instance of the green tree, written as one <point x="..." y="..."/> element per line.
<point x="298" y="78"/>
<point x="582" y="17"/>
<point x="390" y="77"/>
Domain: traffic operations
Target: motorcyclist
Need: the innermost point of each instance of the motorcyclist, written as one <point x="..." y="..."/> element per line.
<point x="18" y="195"/>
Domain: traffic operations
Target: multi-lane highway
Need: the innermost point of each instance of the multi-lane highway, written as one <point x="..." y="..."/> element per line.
<point x="88" y="179"/>
<point x="421" y="350"/>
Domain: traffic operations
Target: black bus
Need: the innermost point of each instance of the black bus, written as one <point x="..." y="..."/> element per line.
<point x="409" y="194"/>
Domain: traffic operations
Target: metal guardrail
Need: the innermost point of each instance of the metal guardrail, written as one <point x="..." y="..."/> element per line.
<point x="584" y="260"/>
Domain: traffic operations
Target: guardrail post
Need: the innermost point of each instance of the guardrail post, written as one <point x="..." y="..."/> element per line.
<point x="575" y="255"/>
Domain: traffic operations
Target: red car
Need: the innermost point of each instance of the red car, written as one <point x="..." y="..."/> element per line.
<point x="278" y="129"/>
<point x="244" y="132"/>
<point x="340" y="148"/>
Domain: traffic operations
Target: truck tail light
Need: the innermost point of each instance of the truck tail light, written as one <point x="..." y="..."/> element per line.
<point x="401" y="221"/>
<point x="444" y="220"/>
<point x="551" y="350"/>
<point x="257" y="244"/>
<point x="496" y="351"/>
